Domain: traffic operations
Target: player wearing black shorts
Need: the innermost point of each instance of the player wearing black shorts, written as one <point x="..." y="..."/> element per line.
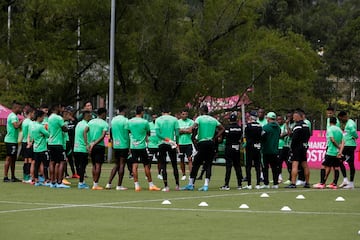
<point x="13" y="125"/>
<point x="119" y="134"/>
<point x="299" y="146"/>
<point x="97" y="129"/>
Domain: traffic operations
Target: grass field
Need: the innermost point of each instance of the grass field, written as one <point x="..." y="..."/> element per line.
<point x="28" y="212"/>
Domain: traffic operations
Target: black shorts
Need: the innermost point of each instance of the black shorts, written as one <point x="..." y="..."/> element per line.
<point x="331" y="161"/>
<point x="98" y="154"/>
<point x="139" y="156"/>
<point x="121" y="153"/>
<point x="349" y="153"/>
<point x="11" y="149"/>
<point x="153" y="152"/>
<point x="299" y="155"/>
<point x="284" y="154"/>
<point x="41" y="157"/>
<point x="81" y="157"/>
<point x="26" y="152"/>
<point x="185" y="150"/>
<point x="57" y="153"/>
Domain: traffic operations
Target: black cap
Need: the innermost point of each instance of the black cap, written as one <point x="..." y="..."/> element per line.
<point x="233" y="118"/>
<point x="69" y="109"/>
<point x="253" y="113"/>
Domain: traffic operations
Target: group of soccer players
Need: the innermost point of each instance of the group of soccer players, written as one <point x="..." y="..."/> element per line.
<point x="50" y="140"/>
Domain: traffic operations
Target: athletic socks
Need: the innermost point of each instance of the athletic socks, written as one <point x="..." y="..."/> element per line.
<point x="336" y="177"/>
<point x="207" y="180"/>
<point x="191" y="181"/>
<point x="322" y="176"/>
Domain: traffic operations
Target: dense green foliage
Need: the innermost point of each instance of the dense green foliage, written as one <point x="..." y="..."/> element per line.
<point x="168" y="52"/>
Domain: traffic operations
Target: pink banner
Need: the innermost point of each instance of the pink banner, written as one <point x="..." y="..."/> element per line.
<point x="317" y="149"/>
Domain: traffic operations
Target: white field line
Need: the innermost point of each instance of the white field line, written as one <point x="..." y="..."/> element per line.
<point x="107" y="205"/>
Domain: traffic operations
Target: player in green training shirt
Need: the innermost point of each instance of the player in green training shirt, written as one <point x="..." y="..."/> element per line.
<point x="204" y="127"/>
<point x="334" y="149"/>
<point x="167" y="130"/>
<point x="11" y="141"/>
<point x="119" y="134"/>
<point x="39" y="135"/>
<point x="153" y="145"/>
<point x="139" y="130"/>
<point x="27" y="150"/>
<point x="350" y="136"/>
<point x="185" y="142"/>
<point x="97" y="130"/>
<point x="81" y="148"/>
<point x="56" y="144"/>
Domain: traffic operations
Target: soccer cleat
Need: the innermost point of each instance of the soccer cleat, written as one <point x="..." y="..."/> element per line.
<point x="6" y="179"/>
<point x="204" y="188"/>
<point x="239" y="187"/>
<point x="319" y="186"/>
<point x="307" y="185"/>
<point x="137" y="189"/>
<point x="291" y="186"/>
<point x="225" y="187"/>
<point x="154" y="188"/>
<point x="183" y="178"/>
<point x="14" y="179"/>
<point x="38" y="184"/>
<point x="188" y="187"/>
<point x="330" y="185"/>
<point x="53" y="185"/>
<point x="108" y="186"/>
<point x="350" y="185"/>
<point x="248" y="187"/>
<point x="287" y="182"/>
<point x="75" y="176"/>
<point x="41" y="179"/>
<point x="47" y="184"/>
<point x="264" y="187"/>
<point x="177" y="188"/>
<point x="344" y="183"/>
<point x="83" y="186"/>
<point x="333" y="186"/>
<point x="62" y="185"/>
<point x="27" y="181"/>
<point x="159" y="176"/>
<point x="275" y="186"/>
<point x="165" y="189"/>
<point x="257" y="187"/>
<point x="121" y="188"/>
<point x="97" y="188"/>
<point x="66" y="182"/>
<point x="299" y="182"/>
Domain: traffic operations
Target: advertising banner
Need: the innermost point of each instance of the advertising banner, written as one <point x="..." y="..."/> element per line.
<point x="317" y="150"/>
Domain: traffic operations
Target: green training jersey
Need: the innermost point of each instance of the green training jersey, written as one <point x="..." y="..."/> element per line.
<point x="350" y="134"/>
<point x="206" y="127"/>
<point x="12" y="133"/>
<point x="167" y="126"/>
<point x="25" y="126"/>
<point x="120" y="132"/>
<point x="336" y="133"/>
<point x="308" y="123"/>
<point x="56" y="122"/>
<point x="328" y="123"/>
<point x="153" y="140"/>
<point x="39" y="135"/>
<point x="139" y="128"/>
<point x="185" y="138"/>
<point x="97" y="127"/>
<point x="262" y="122"/>
<point x="283" y="132"/>
<point x="79" y="141"/>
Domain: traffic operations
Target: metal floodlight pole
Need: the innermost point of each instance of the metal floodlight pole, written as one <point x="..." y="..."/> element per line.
<point x="111" y="79"/>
